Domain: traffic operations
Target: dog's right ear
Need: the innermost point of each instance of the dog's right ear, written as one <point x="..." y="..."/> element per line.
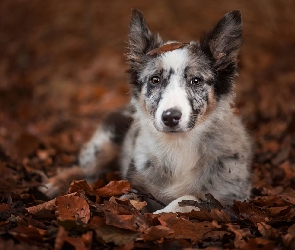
<point x="141" y="39"/>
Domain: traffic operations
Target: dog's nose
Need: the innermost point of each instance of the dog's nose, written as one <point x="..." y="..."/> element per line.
<point x="171" y="117"/>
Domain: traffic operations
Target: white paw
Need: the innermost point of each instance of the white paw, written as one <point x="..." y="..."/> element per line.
<point x="175" y="208"/>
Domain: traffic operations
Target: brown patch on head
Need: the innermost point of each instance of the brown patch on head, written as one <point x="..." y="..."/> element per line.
<point x="165" y="48"/>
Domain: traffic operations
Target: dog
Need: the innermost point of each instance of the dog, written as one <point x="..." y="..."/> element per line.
<point x="179" y="138"/>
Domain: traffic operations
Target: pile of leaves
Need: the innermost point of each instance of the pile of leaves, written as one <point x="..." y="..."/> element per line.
<point x="89" y="217"/>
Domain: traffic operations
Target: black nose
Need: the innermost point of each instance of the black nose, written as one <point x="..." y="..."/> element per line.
<point x="171" y="117"/>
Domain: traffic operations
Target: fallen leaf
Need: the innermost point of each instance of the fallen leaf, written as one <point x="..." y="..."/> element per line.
<point x="78" y="185"/>
<point x="26" y="234"/>
<point x="139" y="205"/>
<point x="278" y="211"/>
<point x="270" y="201"/>
<point x="124" y="216"/>
<point x="118" y="236"/>
<point x="49" y="205"/>
<point x="72" y="208"/>
<point x="166" y="47"/>
<point x="214" y="214"/>
<point x="266" y="230"/>
<point x="156" y="232"/>
<point x="249" y="211"/>
<point x="113" y="188"/>
<point x="62" y="236"/>
<point x="185" y="229"/>
<point x="240" y="235"/>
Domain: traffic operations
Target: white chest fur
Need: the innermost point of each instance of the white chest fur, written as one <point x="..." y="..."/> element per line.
<point x="175" y="158"/>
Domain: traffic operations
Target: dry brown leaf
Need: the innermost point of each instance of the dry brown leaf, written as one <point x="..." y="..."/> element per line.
<point x="114" y="188"/>
<point x="278" y="211"/>
<point x="124" y="216"/>
<point x="166" y="47"/>
<point x="156" y="233"/>
<point x="62" y="237"/>
<point x="87" y="239"/>
<point x="26" y="234"/>
<point x="240" y="235"/>
<point x="49" y="205"/>
<point x="266" y="230"/>
<point x="36" y="223"/>
<point x="249" y="211"/>
<point x="97" y="222"/>
<point x="214" y="214"/>
<point x="270" y="201"/>
<point x="78" y="185"/>
<point x="139" y="205"/>
<point x="72" y="208"/>
<point x="289" y="196"/>
<point x="185" y="229"/>
<point x="98" y="184"/>
<point x="113" y="234"/>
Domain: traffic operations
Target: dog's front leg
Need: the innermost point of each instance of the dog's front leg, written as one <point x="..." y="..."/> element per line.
<point x="174" y="207"/>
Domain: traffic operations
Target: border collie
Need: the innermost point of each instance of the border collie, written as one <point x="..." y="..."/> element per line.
<point x="179" y="138"/>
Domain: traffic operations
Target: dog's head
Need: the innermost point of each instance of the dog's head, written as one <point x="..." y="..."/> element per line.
<point x="175" y="85"/>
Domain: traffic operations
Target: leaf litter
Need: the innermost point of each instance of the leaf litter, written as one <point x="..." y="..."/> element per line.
<point x="46" y="114"/>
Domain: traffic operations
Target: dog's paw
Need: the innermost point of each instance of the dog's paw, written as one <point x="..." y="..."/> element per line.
<point x="175" y="208"/>
<point x="50" y="189"/>
<point x="59" y="183"/>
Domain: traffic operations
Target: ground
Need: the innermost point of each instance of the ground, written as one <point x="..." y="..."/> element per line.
<point x="62" y="68"/>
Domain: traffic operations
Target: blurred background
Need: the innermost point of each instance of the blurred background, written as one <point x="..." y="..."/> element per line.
<point x="62" y="68"/>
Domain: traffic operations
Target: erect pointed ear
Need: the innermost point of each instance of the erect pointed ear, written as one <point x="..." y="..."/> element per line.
<point x="141" y="39"/>
<point x="224" y="41"/>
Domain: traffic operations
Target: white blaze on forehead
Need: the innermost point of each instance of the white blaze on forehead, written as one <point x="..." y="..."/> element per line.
<point x="176" y="59"/>
<point x="174" y="95"/>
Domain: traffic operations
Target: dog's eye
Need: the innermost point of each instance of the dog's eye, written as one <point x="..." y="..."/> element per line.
<point x="155" y="80"/>
<point x="195" y="80"/>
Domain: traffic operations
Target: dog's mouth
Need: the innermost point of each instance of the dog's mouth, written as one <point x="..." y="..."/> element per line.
<point x="168" y="130"/>
<point x="176" y="131"/>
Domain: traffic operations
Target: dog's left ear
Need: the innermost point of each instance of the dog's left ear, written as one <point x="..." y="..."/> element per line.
<point x="141" y="39"/>
<point x="224" y="41"/>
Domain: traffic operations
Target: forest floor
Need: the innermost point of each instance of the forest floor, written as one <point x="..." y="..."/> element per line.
<point x="62" y="68"/>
